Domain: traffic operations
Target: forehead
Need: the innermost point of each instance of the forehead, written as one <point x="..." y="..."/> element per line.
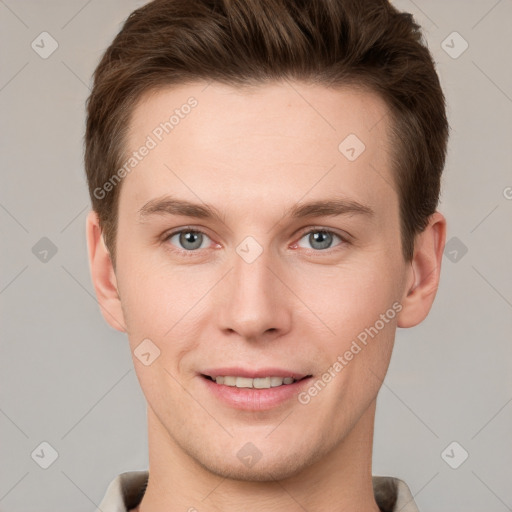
<point x="277" y="140"/>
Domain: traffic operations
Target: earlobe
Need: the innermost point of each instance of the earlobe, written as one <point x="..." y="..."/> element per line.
<point x="424" y="273"/>
<point x="103" y="275"/>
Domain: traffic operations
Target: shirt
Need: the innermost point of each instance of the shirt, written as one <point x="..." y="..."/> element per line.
<point x="127" y="489"/>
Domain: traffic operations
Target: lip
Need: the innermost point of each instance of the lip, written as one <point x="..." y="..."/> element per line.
<point x="238" y="371"/>
<point x="253" y="399"/>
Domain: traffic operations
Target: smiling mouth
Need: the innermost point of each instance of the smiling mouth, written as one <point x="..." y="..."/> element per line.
<point x="256" y="383"/>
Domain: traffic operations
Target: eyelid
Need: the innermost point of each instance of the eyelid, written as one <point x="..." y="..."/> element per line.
<point x="343" y="235"/>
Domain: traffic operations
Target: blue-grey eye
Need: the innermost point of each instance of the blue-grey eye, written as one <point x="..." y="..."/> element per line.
<point x="319" y="239"/>
<point x="189" y="239"/>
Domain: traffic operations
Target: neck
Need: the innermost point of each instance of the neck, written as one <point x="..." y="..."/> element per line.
<point x="340" y="481"/>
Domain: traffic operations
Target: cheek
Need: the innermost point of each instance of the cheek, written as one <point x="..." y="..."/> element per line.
<point x="168" y="306"/>
<point x="356" y="310"/>
<point x="154" y="295"/>
<point x="346" y="299"/>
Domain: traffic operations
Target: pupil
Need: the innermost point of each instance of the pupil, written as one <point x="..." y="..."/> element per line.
<point x="190" y="237"/>
<point x="321" y="237"/>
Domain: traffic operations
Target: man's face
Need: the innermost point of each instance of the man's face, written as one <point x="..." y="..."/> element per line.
<point x="258" y="292"/>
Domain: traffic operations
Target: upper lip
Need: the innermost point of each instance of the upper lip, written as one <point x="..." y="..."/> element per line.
<point x="253" y="373"/>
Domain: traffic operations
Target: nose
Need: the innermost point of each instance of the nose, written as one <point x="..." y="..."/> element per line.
<point x="252" y="301"/>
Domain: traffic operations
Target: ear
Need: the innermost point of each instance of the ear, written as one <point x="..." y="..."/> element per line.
<point x="103" y="276"/>
<point x="423" y="273"/>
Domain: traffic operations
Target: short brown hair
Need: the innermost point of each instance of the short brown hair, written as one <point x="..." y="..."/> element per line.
<point x="367" y="44"/>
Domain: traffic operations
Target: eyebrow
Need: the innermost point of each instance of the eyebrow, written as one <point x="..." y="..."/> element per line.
<point x="168" y="205"/>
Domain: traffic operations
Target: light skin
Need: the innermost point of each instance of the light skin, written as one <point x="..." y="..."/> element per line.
<point x="253" y="155"/>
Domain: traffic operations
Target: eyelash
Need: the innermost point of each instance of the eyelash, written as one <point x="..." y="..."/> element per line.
<point x="191" y="253"/>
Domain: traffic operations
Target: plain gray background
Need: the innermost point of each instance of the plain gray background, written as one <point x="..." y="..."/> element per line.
<point x="67" y="377"/>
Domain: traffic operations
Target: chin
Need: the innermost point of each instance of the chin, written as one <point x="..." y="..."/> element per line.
<point x="260" y="472"/>
<point x="274" y="466"/>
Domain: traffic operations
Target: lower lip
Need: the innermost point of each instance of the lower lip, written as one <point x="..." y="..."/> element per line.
<point x="252" y="399"/>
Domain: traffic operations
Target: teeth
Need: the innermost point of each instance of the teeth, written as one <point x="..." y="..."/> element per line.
<point x="276" y="381"/>
<point x="261" y="382"/>
<point x="243" y="382"/>
<point x="258" y="383"/>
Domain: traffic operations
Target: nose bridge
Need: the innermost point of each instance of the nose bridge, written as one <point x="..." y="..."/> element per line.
<point x="254" y="302"/>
